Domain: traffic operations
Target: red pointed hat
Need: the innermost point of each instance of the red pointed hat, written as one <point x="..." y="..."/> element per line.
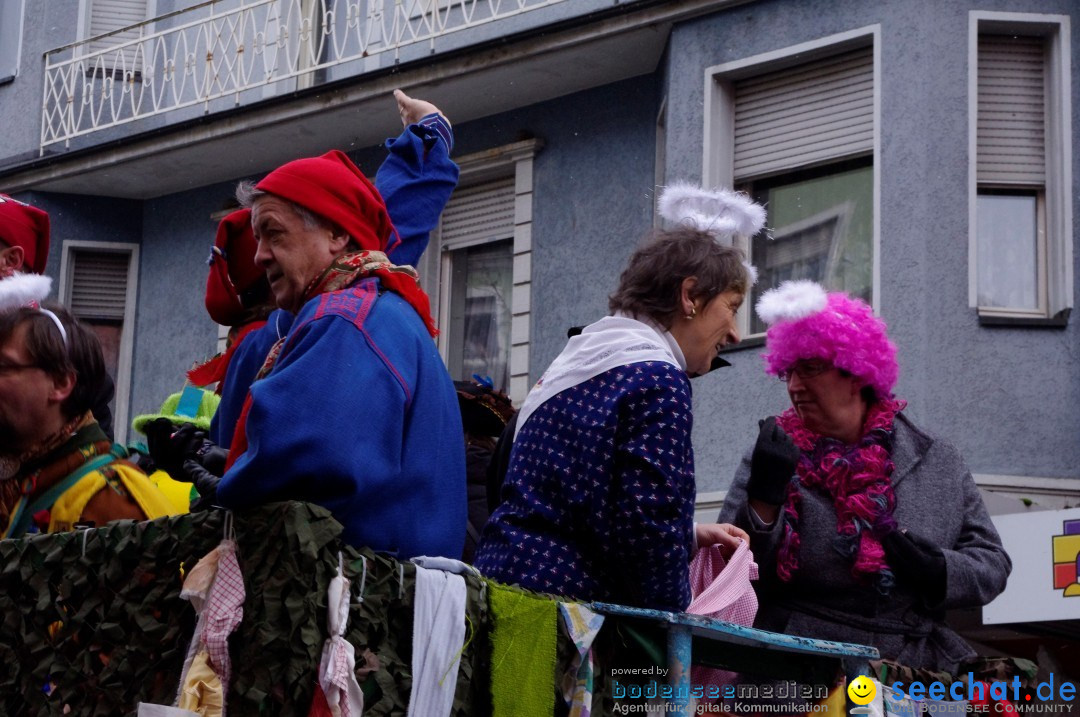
<point x="335" y="189"/>
<point x="232" y="268"/>
<point x="27" y="227"/>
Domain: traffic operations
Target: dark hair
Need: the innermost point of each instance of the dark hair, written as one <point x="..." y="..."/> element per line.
<point x="866" y="393"/>
<point x="82" y="356"/>
<point x="651" y="284"/>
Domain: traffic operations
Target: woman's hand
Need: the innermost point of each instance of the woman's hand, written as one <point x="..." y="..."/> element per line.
<point x="726" y="535"/>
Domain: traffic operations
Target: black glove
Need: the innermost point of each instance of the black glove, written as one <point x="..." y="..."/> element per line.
<point x="772" y="464"/>
<point x="916" y="562"/>
<point x="213" y="457"/>
<point x="170" y="446"/>
<point x="205" y="482"/>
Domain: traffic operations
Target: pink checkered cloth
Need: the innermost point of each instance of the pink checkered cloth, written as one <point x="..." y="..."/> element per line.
<point x="224" y="610"/>
<point x="722" y="590"/>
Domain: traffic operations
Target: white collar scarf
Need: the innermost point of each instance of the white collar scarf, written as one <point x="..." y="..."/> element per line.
<point x="610" y="342"/>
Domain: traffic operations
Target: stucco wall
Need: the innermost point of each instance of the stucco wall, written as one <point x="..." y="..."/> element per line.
<point x="1009" y="398"/>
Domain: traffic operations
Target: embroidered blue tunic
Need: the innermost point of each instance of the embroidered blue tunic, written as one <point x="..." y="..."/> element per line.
<point x="598" y="503"/>
<point x="359" y="415"/>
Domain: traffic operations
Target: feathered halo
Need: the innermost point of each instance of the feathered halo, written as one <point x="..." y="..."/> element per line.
<point x="720" y="212"/>
<point x="23" y="289"/>
<point x="790" y="301"/>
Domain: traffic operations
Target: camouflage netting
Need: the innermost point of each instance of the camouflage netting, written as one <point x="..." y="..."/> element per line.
<point x="93" y="622"/>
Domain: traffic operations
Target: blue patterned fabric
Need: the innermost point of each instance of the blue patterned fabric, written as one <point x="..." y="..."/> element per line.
<point x="599" y="500"/>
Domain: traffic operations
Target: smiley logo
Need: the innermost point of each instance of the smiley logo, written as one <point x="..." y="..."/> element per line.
<point x="862" y="690"/>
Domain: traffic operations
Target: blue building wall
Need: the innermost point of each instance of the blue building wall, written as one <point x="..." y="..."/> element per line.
<point x="1009" y="398"/>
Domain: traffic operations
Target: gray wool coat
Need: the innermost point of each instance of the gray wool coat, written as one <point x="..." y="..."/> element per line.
<point x="936" y="498"/>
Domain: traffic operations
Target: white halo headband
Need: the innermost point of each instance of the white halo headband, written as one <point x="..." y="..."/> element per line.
<point x="723" y="213"/>
<point x="59" y="325"/>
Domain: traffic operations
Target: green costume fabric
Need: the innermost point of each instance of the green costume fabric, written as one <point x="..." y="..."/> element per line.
<point x="93" y="621"/>
<point x="523" y="645"/>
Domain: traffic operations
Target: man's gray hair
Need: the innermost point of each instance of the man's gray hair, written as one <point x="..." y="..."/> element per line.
<point x="246" y="194"/>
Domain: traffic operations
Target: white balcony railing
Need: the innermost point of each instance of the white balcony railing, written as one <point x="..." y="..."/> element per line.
<point x="220" y="53"/>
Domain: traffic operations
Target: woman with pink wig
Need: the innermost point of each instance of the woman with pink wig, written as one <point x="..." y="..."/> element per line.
<point x="866" y="527"/>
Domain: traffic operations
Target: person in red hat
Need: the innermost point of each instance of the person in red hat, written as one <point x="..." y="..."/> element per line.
<point x="24" y="252"/>
<point x="416" y="181"/>
<point x="353" y="408"/>
<point x="24" y="249"/>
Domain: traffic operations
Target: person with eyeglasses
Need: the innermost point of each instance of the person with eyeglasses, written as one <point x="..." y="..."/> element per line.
<point x="867" y="528"/>
<point x="58" y="469"/>
<point x="24" y="253"/>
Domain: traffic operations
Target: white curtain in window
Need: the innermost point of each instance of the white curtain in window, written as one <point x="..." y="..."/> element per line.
<point x="1007" y="251"/>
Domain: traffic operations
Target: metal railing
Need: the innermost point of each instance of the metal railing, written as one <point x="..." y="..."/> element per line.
<point x="232" y="48"/>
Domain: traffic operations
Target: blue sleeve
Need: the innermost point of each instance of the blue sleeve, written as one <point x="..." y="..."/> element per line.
<point x="243" y="367"/>
<point x="324" y="426"/>
<point x="416" y="181"/>
<point x="654" y="494"/>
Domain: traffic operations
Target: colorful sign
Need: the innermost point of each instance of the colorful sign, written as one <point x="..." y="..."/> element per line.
<point x="1045" y="551"/>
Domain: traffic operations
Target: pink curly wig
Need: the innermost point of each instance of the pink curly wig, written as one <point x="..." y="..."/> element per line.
<point x="843" y="331"/>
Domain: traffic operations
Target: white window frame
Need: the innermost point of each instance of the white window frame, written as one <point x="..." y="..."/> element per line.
<point x="1056" y="232"/>
<point x="660" y="156"/>
<point x="127" y="332"/>
<point x="1045" y="492"/>
<point x="719" y="146"/>
<point x="512" y="160"/>
<point x="11" y="32"/>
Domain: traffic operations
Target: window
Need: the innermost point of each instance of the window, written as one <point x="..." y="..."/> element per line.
<point x="98" y="283"/>
<point x="796" y="129"/>
<point x="117" y="56"/>
<point x="11" y="18"/>
<point x="1020" y="268"/>
<point x="478" y="269"/>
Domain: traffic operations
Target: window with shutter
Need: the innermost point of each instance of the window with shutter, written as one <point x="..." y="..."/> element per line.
<point x="796" y="130"/>
<point x="97" y="283"/>
<point x="118" y="49"/>
<point x="1011" y="171"/>
<point x="478" y="270"/>
<point x="1017" y="202"/>
<point x="478" y="249"/>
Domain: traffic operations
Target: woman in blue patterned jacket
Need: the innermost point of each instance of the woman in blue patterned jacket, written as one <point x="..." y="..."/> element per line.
<point x="598" y="503"/>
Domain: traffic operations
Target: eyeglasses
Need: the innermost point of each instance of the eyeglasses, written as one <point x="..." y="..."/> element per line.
<point x="807" y="368"/>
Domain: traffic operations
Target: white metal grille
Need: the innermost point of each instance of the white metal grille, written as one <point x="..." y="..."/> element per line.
<point x="1012" y="110"/>
<point x="99" y="284"/>
<point x="216" y="51"/>
<point x="478" y="214"/>
<point x="805" y="115"/>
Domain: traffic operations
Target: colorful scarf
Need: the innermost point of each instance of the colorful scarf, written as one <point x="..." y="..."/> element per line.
<point x="345" y="271"/>
<point x="858" y="478"/>
<point x="52" y="459"/>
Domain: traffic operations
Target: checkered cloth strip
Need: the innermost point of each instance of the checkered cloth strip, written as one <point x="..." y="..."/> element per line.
<point x="722" y="590"/>
<point x="336" y="668"/>
<point x="224" y="610"/>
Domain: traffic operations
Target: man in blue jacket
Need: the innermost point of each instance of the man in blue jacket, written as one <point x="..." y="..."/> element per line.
<point x="353" y="408"/>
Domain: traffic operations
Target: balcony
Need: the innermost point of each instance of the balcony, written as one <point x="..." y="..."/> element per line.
<point x="236" y="87"/>
<point x="227" y="53"/>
